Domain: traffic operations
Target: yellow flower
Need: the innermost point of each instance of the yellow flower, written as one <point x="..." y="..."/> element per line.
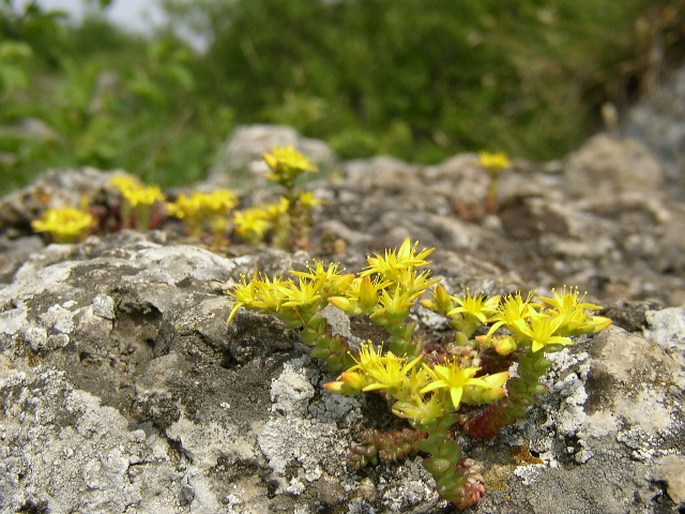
<point x="286" y="164"/>
<point x="570" y="307"/>
<point x="199" y="205"/>
<point x="489" y="388"/>
<point x="204" y="211"/>
<point x="64" y="224"/>
<point x="420" y="412"/>
<point x="125" y="182"/>
<point x="387" y="372"/>
<point x="494" y="161"/>
<point x="361" y="296"/>
<point x="302" y="294"/>
<point x="394" y="261"/>
<point x="330" y="279"/>
<point x="220" y="201"/>
<point x="273" y="211"/>
<point x="139" y="200"/>
<point x="541" y="331"/>
<point x="395" y="306"/>
<point x="288" y="156"/>
<point x="308" y="200"/>
<point x="143" y="196"/>
<point x="135" y="192"/>
<point x="454" y="378"/>
<point x="512" y="309"/>
<point x="263" y="294"/>
<point x="476" y="306"/>
<point x="252" y="223"/>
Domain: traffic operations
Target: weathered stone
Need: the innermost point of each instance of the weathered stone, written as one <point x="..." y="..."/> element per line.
<point x="606" y="165"/>
<point x="55" y="188"/>
<point x="239" y="162"/>
<point x="658" y="121"/>
<point x="124" y="390"/>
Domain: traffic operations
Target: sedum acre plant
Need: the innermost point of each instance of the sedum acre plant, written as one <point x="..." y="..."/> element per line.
<point x="494" y="163"/>
<point x="291" y="228"/>
<point x="436" y="388"/>
<point x="139" y="203"/>
<point x="65" y="224"/>
<point x="285" y="223"/>
<point x="205" y="212"/>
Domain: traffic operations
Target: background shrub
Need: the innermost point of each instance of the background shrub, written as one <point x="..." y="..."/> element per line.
<point x="418" y="79"/>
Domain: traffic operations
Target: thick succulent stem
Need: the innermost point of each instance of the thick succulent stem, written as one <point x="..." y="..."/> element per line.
<point x="300" y="223"/>
<point x="402" y="339"/>
<point x="522" y="393"/>
<point x="386" y="446"/>
<point x="331" y="348"/>
<point x="458" y="480"/>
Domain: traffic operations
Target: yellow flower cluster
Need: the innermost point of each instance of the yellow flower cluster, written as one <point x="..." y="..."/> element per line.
<point x="204" y="211"/>
<point x="385" y="291"/>
<point x="287" y="164"/>
<point x="139" y="200"/>
<point x="420" y="392"/>
<point x="292" y="300"/>
<point x="200" y="205"/>
<point x="494" y="161"/>
<point x="64" y="224"/>
<point x="389" y="286"/>
<point x="535" y="322"/>
<point x="286" y="222"/>
<point x="136" y="193"/>
<point x="253" y="224"/>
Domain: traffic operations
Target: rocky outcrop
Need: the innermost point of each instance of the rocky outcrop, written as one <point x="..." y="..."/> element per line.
<point x="123" y="389"/>
<point x="658" y="121"/>
<point x="239" y="162"/>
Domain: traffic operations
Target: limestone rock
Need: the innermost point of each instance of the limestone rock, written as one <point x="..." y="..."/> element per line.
<point x="55" y="188"/>
<point x="124" y="390"/>
<point x="658" y="121"/>
<point x="606" y="165"/>
<point x="240" y="162"/>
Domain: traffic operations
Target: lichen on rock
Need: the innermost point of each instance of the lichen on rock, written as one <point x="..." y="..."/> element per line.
<point x="124" y="390"/>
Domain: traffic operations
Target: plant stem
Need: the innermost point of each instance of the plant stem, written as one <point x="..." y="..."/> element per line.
<point x="458" y="480"/>
<point x="522" y="393"/>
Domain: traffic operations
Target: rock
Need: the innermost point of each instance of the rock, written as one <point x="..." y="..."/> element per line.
<point x="239" y="163"/>
<point x="55" y="188"/>
<point x="614" y="414"/>
<point x="30" y="128"/>
<point x="124" y="390"/>
<point x="671" y="469"/>
<point x="666" y="327"/>
<point x="606" y="165"/>
<point x="658" y="122"/>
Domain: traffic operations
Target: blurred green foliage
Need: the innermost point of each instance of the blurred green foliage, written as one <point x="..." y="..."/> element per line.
<point x="93" y="95"/>
<point x="422" y="79"/>
<point x="419" y="79"/>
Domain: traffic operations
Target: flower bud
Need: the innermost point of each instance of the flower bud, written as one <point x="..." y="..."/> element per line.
<point x="368" y="296"/>
<point x="349" y="383"/>
<point x="505" y="345"/>
<point x="345" y="305"/>
<point x="354" y="380"/>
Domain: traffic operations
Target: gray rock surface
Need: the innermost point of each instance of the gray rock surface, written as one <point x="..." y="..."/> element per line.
<point x="239" y="163"/>
<point x="607" y="165"/>
<point x="658" y="122"/>
<point x="123" y="389"/>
